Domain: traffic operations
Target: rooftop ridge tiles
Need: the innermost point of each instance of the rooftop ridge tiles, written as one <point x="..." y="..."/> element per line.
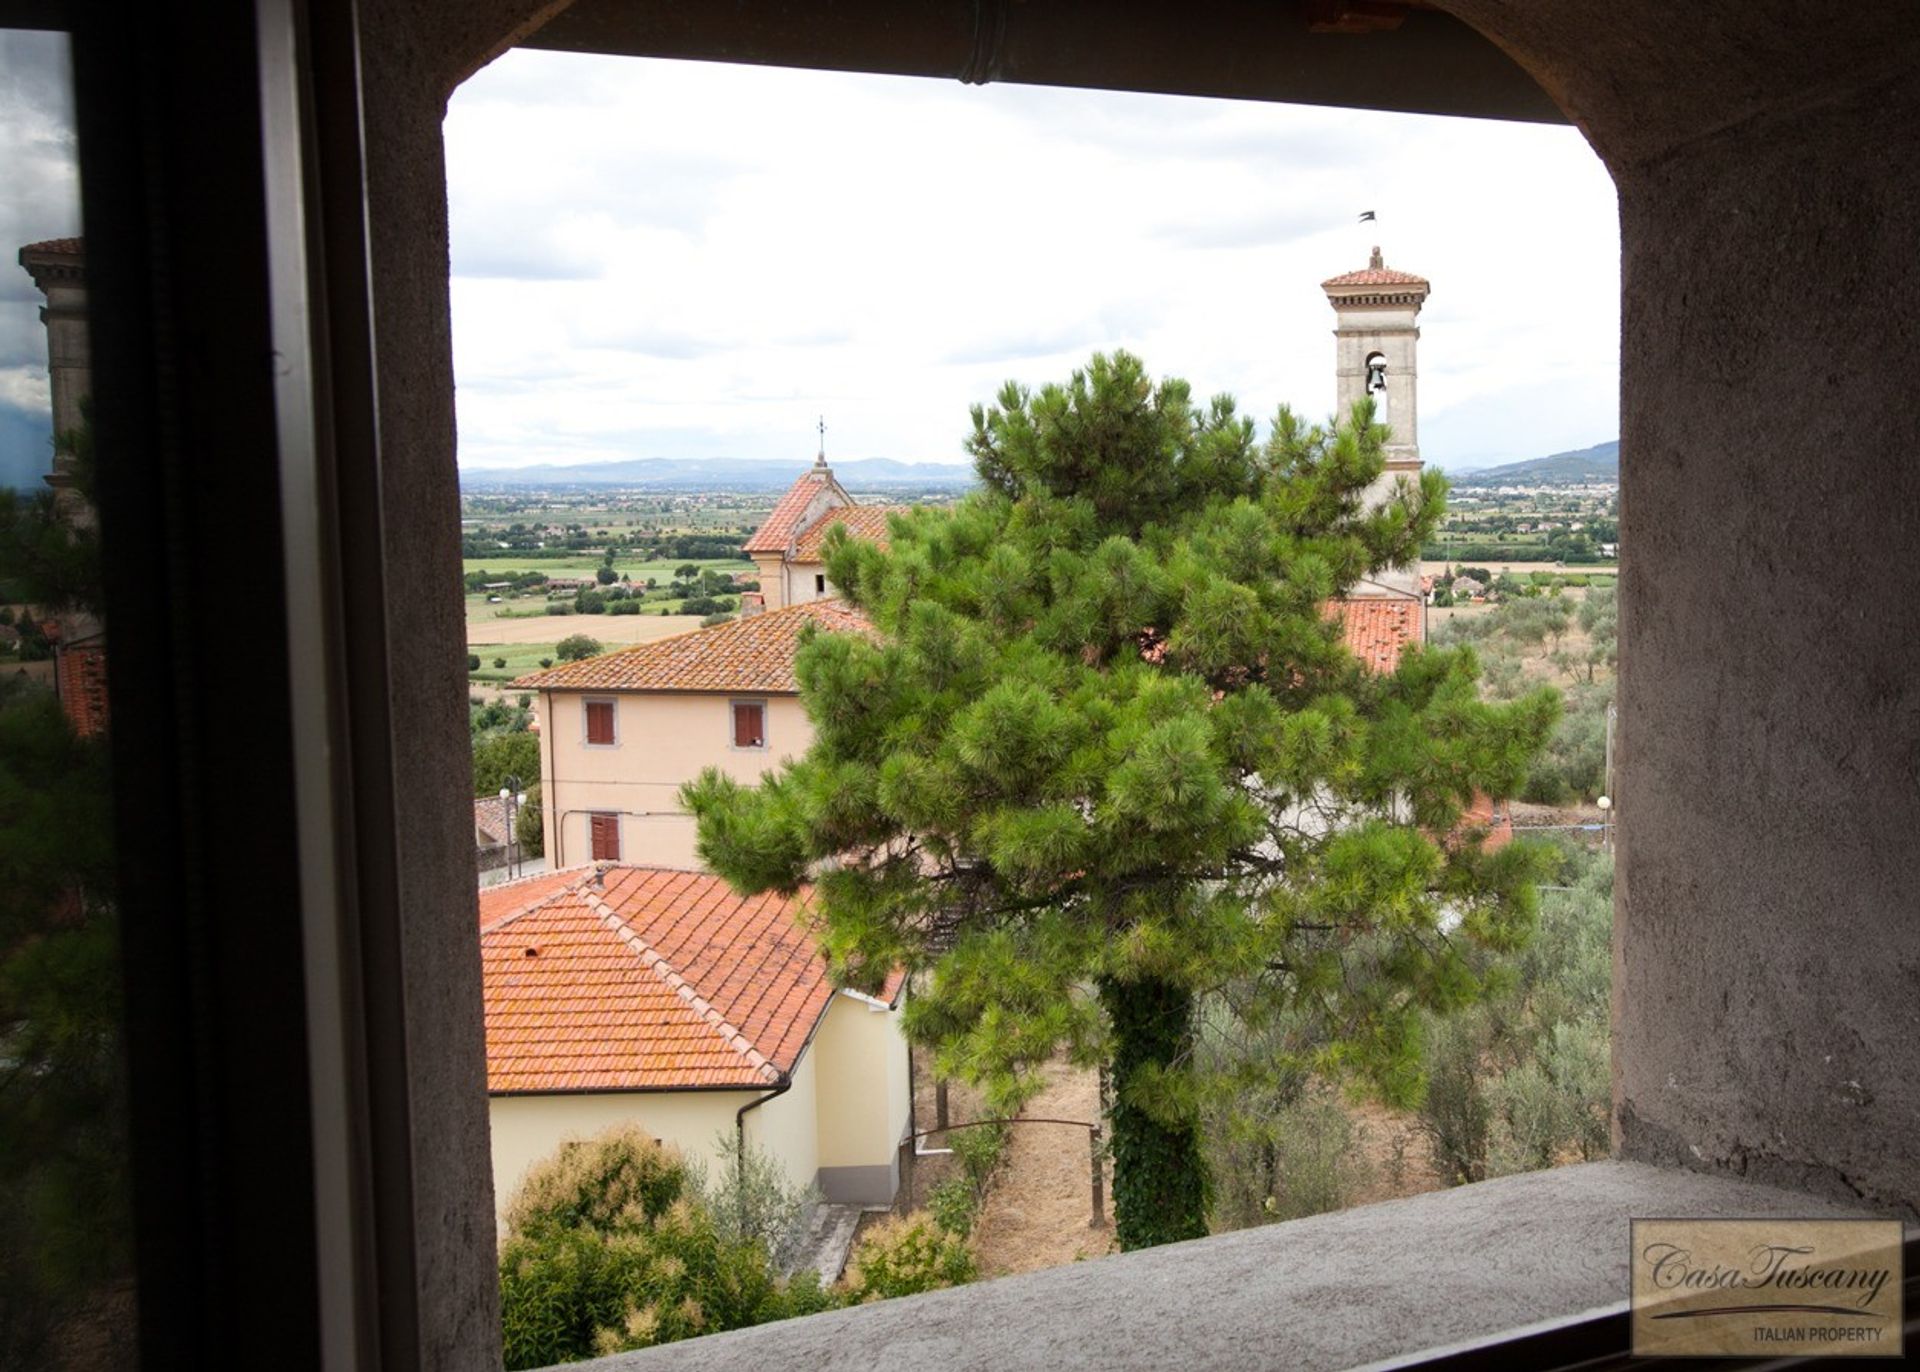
<point x="520" y="912"/>
<point x="660" y="967"/>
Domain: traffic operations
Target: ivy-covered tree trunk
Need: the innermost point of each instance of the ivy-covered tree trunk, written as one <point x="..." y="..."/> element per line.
<point x="1159" y="1173"/>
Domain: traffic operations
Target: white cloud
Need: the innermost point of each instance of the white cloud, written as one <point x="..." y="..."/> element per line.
<point x="682" y="259"/>
<point x="26" y="388"/>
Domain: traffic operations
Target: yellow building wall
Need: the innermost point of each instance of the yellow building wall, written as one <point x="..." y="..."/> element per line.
<point x="839" y="1123"/>
<point x="662" y="740"/>
<point x="785" y="1126"/>
<point x="527" y="1129"/>
<point x="864" y="1105"/>
<point x="802" y="582"/>
<point x="773" y="582"/>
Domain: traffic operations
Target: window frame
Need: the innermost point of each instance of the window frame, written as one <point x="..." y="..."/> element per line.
<point x="761" y="703"/>
<point x="594" y="818"/>
<point x="586" y="720"/>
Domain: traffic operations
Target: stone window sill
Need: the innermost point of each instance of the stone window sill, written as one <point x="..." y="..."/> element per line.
<point x="1385" y="1284"/>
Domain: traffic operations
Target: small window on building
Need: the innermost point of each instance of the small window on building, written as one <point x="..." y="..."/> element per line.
<point x="604" y="832"/>
<point x="820" y="583"/>
<point x="749" y="724"/>
<point x="600" y="731"/>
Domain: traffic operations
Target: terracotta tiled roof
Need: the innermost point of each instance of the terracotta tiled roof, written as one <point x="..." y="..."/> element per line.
<point x="66" y="247"/>
<point x="1378" y="629"/>
<point x="1376" y="273"/>
<point x="490" y="818"/>
<point x="777" y="531"/>
<point x="1382" y="276"/>
<point x="862" y="521"/>
<point x="637" y="978"/>
<point x="508" y="898"/>
<point x="80" y="676"/>
<point x="754" y="654"/>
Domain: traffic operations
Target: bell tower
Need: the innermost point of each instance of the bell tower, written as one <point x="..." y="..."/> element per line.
<point x="1376" y="337"/>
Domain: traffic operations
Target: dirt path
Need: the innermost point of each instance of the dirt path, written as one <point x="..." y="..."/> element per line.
<point x="1038" y="1206"/>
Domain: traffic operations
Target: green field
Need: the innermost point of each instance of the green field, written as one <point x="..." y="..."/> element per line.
<point x="521" y="659"/>
<point x="585" y="564"/>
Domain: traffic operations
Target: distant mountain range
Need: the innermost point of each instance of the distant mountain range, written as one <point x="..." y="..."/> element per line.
<point x="717" y="474"/>
<point x="1601" y="462"/>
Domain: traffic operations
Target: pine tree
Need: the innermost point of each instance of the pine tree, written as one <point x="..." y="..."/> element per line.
<point x="1106" y="752"/>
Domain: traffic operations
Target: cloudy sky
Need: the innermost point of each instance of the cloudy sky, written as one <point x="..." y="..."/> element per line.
<point x="687" y="259"/>
<point x="661" y="259"/>
<point x="39" y="198"/>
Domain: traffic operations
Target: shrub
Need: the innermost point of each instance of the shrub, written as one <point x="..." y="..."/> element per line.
<point x="606" y="576"/>
<point x="495" y="717"/>
<point x="500" y="662"/>
<point x="908" y="1254"/>
<point x="751" y="1197"/>
<point x="546" y="662"/>
<point x="1455" y="1115"/>
<point x="721" y="618"/>
<point x="1522" y="1081"/>
<point x="952" y="1205"/>
<point x="618" y="1180"/>
<point x="559" y="607"/>
<point x="979" y="1150"/>
<point x="1300" y="1160"/>
<point x="590" y="603"/>
<point x="577" y="648"/>
<point x="608" y="1248"/>
<point x="473" y="662"/>
<point x="624" y="607"/>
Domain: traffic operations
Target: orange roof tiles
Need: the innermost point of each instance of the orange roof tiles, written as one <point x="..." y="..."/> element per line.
<point x="754" y="654"/>
<point x="66" y="247"/>
<point x="639" y="978"/>
<point x="1376" y="276"/>
<point x="1378" y="630"/>
<point x="777" y="530"/>
<point x="506" y="899"/>
<point x="862" y="521"/>
<point x="1376" y="273"/>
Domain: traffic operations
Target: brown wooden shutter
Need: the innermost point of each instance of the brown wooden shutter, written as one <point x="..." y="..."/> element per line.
<point x="599" y="721"/>
<point x="749" y="726"/>
<point x="605" y="833"/>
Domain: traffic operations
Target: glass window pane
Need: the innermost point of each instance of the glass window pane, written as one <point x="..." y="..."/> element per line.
<point x="66" y="1271"/>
